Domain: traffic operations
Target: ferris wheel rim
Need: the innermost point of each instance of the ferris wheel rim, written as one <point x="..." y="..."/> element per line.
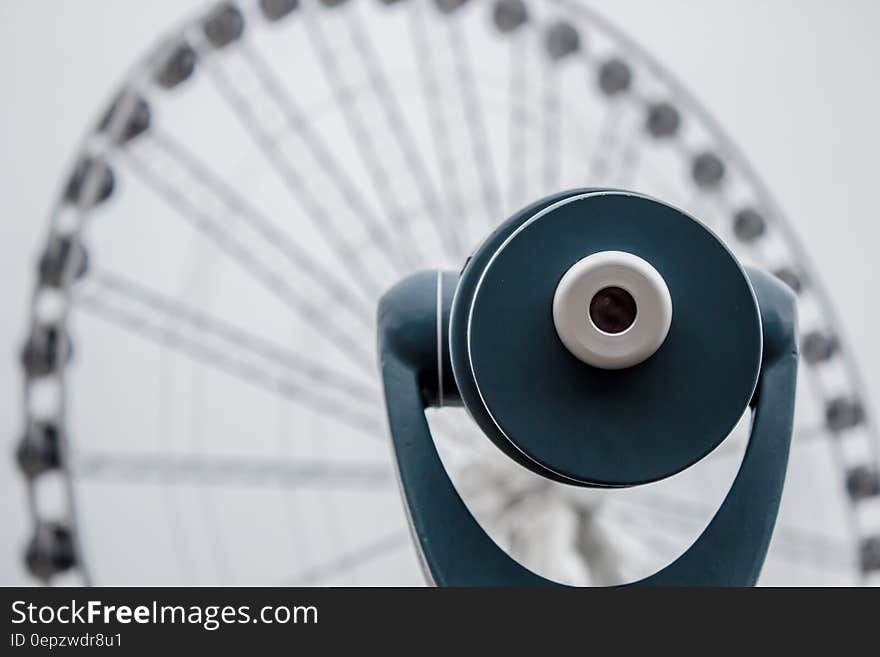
<point x="98" y="141"/>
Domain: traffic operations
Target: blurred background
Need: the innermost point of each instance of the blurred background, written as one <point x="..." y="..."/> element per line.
<point x="793" y="82"/>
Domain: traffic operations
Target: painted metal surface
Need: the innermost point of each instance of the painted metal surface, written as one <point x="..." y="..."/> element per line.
<point x="707" y="370"/>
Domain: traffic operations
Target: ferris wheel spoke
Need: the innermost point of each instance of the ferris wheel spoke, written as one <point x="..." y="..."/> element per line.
<point x="476" y="128"/>
<point x="206" y="189"/>
<point x="514" y="497"/>
<point x="552" y="119"/>
<point x="605" y="143"/>
<point x="350" y="560"/>
<point x="402" y="134"/>
<point x="369" y="152"/>
<point x="214" y="533"/>
<point x="517" y="119"/>
<point x="334" y="177"/>
<point x="437" y="123"/>
<point x="195" y="176"/>
<point x="292" y="178"/>
<point x="601" y="558"/>
<point x="630" y="159"/>
<point x="174" y="517"/>
<point x="201" y="197"/>
<point x="603" y="548"/>
<point x="179" y="198"/>
<point x="299" y="393"/>
<point x="204" y="327"/>
<point x="245" y="471"/>
<point x="621" y="157"/>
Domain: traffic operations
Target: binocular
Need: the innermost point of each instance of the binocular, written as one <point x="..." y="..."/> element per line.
<point x="599" y="338"/>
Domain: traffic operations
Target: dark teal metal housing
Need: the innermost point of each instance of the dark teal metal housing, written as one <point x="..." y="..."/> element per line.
<point x="486" y="339"/>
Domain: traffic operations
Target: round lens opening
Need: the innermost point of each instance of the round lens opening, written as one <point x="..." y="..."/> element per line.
<point x="613" y="310"/>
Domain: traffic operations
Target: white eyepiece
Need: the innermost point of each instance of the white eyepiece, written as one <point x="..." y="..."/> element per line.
<point x="612" y="310"/>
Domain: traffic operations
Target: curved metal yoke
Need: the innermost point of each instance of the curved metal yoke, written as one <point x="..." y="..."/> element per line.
<point x="487" y="339"/>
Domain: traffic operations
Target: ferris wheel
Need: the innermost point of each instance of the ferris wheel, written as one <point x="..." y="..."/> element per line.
<point x="201" y="402"/>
